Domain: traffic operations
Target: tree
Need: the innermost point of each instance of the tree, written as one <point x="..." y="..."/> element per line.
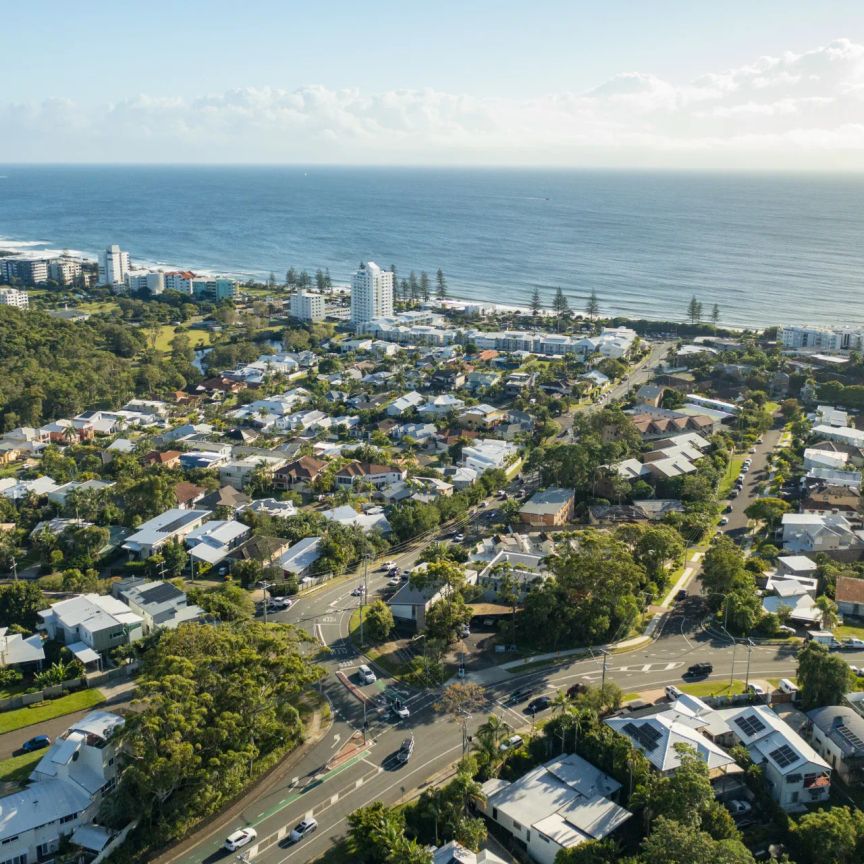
<point x="830" y="612"/>
<point x="536" y="303"/>
<point x="694" y="310"/>
<point x="19" y="603"/>
<point x="591" y="852"/>
<point x="379" y="621"/>
<point x="592" y="307"/>
<point x="218" y="704"/>
<point x="440" y="285"/>
<point x="673" y="842"/>
<point x="823" y="678"/>
<point x="715" y="315"/>
<point x="424" y="286"/>
<point x="658" y="546"/>
<point x="228" y="602"/>
<point x="560" y="306"/>
<point x="723" y="571"/>
<point x="769" y="510"/>
<point x="831" y="836"/>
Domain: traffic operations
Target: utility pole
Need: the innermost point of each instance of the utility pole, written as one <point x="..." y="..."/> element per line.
<point x="603" y="677"/>
<point x="265" y="585"/>
<point x="363" y="600"/>
<point x="749" y="651"/>
<point x="14" y="569"/>
<point x="732" y="672"/>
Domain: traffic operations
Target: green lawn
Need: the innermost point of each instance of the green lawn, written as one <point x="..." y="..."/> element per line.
<point x="731" y="474"/>
<point x="713" y="688"/>
<point x="18" y="768"/>
<point x="21" y="717"/>
<point x="197" y="338"/>
<point x="848" y="631"/>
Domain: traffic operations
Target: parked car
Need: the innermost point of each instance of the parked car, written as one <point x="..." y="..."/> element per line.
<point x="465" y="630"/>
<point x="724" y="520"/>
<point x="755" y="690"/>
<point x="856" y="670"/>
<point x="738" y="807"/>
<point x="395" y="582"/>
<point x="240" y="838"/>
<point x="786" y="630"/>
<point x="38" y="742"/>
<point x="575" y="690"/>
<point x="400" y="710"/>
<point x="458" y="537"/>
<point x="283" y="602"/>
<point x="733" y="493"/>
<point x="854" y="642"/>
<point x="406" y="750"/>
<point x="366" y="675"/>
<point x="786" y="686"/>
<point x="541" y="703"/>
<point x="511" y="743"/>
<point x="672" y="693"/>
<point x="699" y="670"/>
<point x="388" y="565"/>
<point x="302" y="829"/>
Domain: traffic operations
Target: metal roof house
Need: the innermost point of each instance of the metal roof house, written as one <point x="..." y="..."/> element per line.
<point x="172" y="525"/>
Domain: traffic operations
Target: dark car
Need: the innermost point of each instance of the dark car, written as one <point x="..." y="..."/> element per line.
<point x="40" y="742"/>
<point x="699" y="670"/>
<point x="680" y="594"/>
<point x="541" y="703"/>
<point x="576" y="690"/>
<point x="521" y="695"/>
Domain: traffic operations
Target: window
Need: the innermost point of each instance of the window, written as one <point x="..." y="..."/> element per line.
<point x="794" y="798"/>
<point x="18" y="859"/>
<point x="516" y="826"/>
<point x="793" y="778"/>
<point x="70" y="818"/>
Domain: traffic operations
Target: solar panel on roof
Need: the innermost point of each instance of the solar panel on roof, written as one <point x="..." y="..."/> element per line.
<point x="784" y="756"/>
<point x="749" y="724"/>
<point x="849" y="737"/>
<point x="645" y="736"/>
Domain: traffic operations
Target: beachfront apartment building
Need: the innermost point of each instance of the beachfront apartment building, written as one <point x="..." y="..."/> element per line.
<point x="64" y="269"/>
<point x="306" y="306"/>
<point x="113" y="266"/>
<point x="371" y="293"/>
<point x="14" y="297"/>
<point x="213" y="288"/>
<point x="822" y="339"/>
<point x="28" y="271"/>
<point x="146" y="280"/>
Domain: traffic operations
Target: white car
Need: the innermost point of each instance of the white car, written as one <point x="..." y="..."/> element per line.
<point x="388" y="565"/>
<point x="511" y="743"/>
<point x="307" y="826"/>
<point x="395" y="582"/>
<point x="738" y="807"/>
<point x="366" y="675"/>
<point x="400" y="710"/>
<point x="755" y="690"/>
<point x="856" y="670"/>
<point x="458" y="538"/>
<point x="240" y="838"/>
<point x="672" y="693"/>
<point x="853" y="642"/>
<point x="358" y="591"/>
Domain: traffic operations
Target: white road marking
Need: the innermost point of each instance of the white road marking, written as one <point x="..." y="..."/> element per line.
<point x="336" y="739"/>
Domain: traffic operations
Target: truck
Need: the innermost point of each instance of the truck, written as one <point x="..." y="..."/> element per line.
<point x="823" y="637"/>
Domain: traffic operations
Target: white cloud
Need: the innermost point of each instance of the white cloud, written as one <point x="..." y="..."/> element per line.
<point x="795" y="110"/>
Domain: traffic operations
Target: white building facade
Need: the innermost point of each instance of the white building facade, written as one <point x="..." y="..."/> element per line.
<point x="14" y="297"/>
<point x="371" y="293"/>
<point x="113" y="266"/>
<point x="822" y="339"/>
<point x="306" y="306"/>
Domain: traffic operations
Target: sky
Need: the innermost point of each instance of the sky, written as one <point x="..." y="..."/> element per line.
<point x="743" y="84"/>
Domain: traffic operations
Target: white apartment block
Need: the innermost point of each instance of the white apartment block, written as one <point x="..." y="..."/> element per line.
<point x="113" y="266"/>
<point x="822" y="339"/>
<point x="64" y="270"/>
<point x="14" y="297"/>
<point x="179" y="280"/>
<point x="149" y="280"/>
<point x="371" y="293"/>
<point x="307" y="307"/>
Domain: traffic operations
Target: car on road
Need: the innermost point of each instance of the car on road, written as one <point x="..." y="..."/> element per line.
<point x="521" y="694"/>
<point x="724" y="520"/>
<point x="366" y="675"/>
<point x="699" y="670"/>
<point x="400" y="709"/>
<point x="728" y="508"/>
<point x="854" y="643"/>
<point x="733" y="493"/>
<point x="680" y="594"/>
<point x="395" y="582"/>
<point x="575" y="690"/>
<point x="459" y="537"/>
<point x="38" y="742"/>
<point x="541" y="703"/>
<point x="358" y="591"/>
<point x="406" y="750"/>
<point x="282" y="602"/>
<point x="738" y="807"/>
<point x="388" y="565"/>
<point x="511" y="743"/>
<point x="302" y="829"/>
<point x="752" y="449"/>
<point x="240" y="838"/>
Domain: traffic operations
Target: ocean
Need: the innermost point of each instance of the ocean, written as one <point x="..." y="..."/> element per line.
<point x="768" y="249"/>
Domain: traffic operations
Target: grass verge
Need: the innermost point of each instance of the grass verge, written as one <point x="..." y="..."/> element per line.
<point x="376" y="654"/>
<point x="713" y="688"/>
<point x="731" y="475"/>
<point x="41" y="711"/>
<point x="849" y="631"/>
<point x="18" y="768"/>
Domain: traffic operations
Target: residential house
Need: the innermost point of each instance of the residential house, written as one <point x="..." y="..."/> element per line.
<point x="64" y="795"/>
<point x="828" y="498"/>
<point x="188" y="494"/>
<point x="548" y="508"/>
<point x="481" y="416"/>
<point x="462" y="476"/>
<point x="523" y="568"/>
<point x="441" y="405"/>
<point x="818" y="532"/>
<point x="816" y="458"/>
<point x="455" y="853"/>
<point x="650" y="394"/>
<point x="61" y="493"/>
<point x="172" y="526"/>
<point x="372" y="519"/>
<point x="19" y="650"/>
<point x="90" y="621"/>
<point x="798" y="596"/>
<point x="841" y="434"/>
<point x="18" y="490"/>
<point x="837" y="734"/>
<point x="225" y="499"/>
<point x="646" y="510"/>
<point x="796" y="567"/>
<point x="849" y="596"/>
<point x="405" y="404"/>
<point x="271" y="507"/>
<point x="212" y="541"/>
<point x="378" y="476"/>
<point x="448" y="379"/>
<point x="478" y="381"/>
<point x="422" y="433"/>
<point x="165" y="458"/>
<point x="239" y="472"/>
<point x="262" y="549"/>
<point x="161" y="605"/>
<point x="299" y="474"/>
<point x="486" y="453"/>
<point x="795" y="773"/>
<point x="300" y="559"/>
<point x="555" y="806"/>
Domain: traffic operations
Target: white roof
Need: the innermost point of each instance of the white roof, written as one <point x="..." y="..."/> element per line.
<point x="164" y="526"/>
<point x="83" y="653"/>
<point x="301" y="555"/>
<point x="800" y="563"/>
<point x="39" y="803"/>
<point x="14" y="648"/>
<point x="95" y="612"/>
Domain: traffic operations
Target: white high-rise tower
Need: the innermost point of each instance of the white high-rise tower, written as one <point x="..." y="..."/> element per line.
<point x="371" y="293"/>
<point x="113" y="266"/>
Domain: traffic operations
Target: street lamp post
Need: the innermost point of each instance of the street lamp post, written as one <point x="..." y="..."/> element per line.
<point x="363" y="599"/>
<point x="749" y="651"/>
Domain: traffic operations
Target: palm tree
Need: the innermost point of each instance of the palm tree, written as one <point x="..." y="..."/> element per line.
<point x="830" y="613"/>
<point x="493" y="730"/>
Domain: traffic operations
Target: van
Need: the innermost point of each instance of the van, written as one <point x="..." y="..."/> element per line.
<point x="366" y="675"/>
<point x="786" y="686"/>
